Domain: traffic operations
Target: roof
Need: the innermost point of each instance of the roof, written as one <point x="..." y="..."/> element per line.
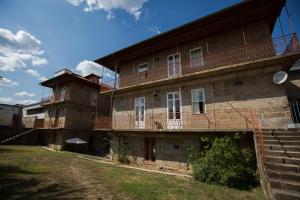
<point x="68" y="77"/>
<point x="33" y="104"/>
<point x="90" y="75"/>
<point x="105" y="87"/>
<point x="245" y="12"/>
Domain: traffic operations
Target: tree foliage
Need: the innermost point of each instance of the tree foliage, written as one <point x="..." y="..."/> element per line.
<point x="223" y="162"/>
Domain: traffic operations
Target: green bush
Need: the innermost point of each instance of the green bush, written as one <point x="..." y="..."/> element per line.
<point x="223" y="162"/>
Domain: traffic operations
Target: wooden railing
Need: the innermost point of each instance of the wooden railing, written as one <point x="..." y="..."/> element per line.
<point x="238" y="54"/>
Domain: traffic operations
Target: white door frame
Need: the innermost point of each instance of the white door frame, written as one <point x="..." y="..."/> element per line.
<point x="137" y="103"/>
<point x="173" y="65"/>
<point x="174" y="123"/>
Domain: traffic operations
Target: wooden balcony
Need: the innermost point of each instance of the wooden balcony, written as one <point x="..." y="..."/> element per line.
<point x="239" y="54"/>
<point x="219" y="120"/>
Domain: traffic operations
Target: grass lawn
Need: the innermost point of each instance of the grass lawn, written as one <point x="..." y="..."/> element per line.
<point x="35" y="173"/>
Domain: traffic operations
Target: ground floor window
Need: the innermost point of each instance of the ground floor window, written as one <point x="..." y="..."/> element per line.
<point x="149" y="149"/>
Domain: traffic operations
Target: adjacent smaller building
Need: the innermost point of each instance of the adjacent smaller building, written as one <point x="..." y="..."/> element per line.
<point x="33" y="115"/>
<point x="72" y="109"/>
<point x="10" y="115"/>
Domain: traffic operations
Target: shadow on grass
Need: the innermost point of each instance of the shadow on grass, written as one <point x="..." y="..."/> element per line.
<point x="16" y="183"/>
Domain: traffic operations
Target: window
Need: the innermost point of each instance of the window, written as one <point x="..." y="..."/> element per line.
<point x="198" y="101"/>
<point x="35" y="111"/>
<point x="94" y="96"/>
<point x="174" y="65"/>
<point x="143" y="67"/>
<point x="196" y="57"/>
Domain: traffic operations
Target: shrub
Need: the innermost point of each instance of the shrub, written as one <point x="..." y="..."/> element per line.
<point x="223" y="162"/>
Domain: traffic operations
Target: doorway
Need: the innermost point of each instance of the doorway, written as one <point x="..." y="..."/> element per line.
<point x="174" y="110"/>
<point x="149" y="149"/>
<point x="139" y="112"/>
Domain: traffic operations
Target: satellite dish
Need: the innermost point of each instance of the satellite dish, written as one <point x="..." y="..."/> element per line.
<point x="280" y="77"/>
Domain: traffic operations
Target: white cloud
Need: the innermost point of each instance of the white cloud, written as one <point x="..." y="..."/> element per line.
<point x="26" y="101"/>
<point x="75" y="2"/>
<point x="39" y="61"/>
<point x="87" y="67"/>
<point x="155" y="30"/>
<point x="9" y="100"/>
<point x="36" y="74"/>
<point x="133" y="7"/>
<point x="18" y="49"/>
<point x="7" y="82"/>
<point x="24" y="93"/>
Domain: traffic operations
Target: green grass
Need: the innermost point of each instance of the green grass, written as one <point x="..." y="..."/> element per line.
<point x="33" y="172"/>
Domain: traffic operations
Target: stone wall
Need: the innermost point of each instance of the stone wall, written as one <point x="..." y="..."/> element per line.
<point x="249" y="89"/>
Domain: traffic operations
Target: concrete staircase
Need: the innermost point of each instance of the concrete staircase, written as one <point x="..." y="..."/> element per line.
<point x="282" y="164"/>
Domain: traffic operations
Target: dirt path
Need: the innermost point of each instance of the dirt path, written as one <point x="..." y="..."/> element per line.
<point x="93" y="188"/>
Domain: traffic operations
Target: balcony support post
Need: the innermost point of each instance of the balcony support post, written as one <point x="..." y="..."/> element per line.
<point x="243" y="33"/>
<point x="206" y="42"/>
<point x="282" y="32"/>
<point x="289" y="19"/>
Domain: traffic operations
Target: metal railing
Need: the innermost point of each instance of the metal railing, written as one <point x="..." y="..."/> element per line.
<point x="58" y="124"/>
<point x="226" y="119"/>
<point x="55" y="98"/>
<point x="259" y="136"/>
<point x="238" y="54"/>
<point x="295" y="110"/>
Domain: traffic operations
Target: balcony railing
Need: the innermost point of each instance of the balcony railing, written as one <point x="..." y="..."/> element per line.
<point x="227" y="119"/>
<point x="57" y="124"/>
<point x="55" y="98"/>
<point x="252" y="51"/>
<point x="102" y="123"/>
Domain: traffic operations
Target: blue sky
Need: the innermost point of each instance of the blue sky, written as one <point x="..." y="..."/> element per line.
<point x="39" y="37"/>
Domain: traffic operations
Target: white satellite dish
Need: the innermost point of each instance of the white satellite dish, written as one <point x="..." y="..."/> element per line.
<point x="280" y="77"/>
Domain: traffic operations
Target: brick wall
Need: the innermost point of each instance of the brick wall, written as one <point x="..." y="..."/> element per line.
<point x="220" y="49"/>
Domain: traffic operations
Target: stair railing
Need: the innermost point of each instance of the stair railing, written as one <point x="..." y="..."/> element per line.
<point x="258" y="134"/>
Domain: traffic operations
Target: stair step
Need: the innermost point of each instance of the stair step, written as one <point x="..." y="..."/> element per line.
<point x="282" y="137"/>
<point x="283" y="160"/>
<point x="286" y="195"/>
<point x="285" y="184"/>
<point x="285" y="175"/>
<point x="289" y="154"/>
<point x="289" y="133"/>
<point x="283" y="148"/>
<point x="284" y="142"/>
<point x="282" y="167"/>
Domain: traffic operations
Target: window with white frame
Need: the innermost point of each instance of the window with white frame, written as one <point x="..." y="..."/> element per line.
<point x="196" y="57"/>
<point x="198" y="101"/>
<point x="143" y="67"/>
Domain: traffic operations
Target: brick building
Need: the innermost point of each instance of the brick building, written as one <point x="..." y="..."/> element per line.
<point x="212" y="76"/>
<point x="71" y="110"/>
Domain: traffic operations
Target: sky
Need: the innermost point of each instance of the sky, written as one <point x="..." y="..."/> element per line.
<point x="40" y="37"/>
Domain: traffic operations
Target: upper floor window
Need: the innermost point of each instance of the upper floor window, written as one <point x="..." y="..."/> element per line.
<point x="143" y="67"/>
<point x="198" y="101"/>
<point x="174" y="65"/>
<point x="63" y="94"/>
<point x="94" y="96"/>
<point x="196" y="57"/>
